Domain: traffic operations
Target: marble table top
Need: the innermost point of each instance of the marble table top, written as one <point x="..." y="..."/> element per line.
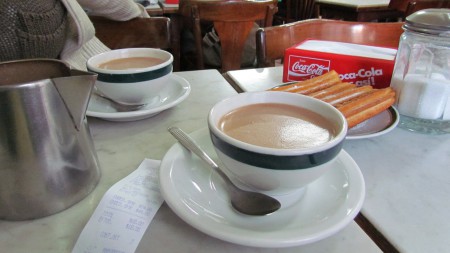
<point x="121" y="147"/>
<point x="356" y="3"/>
<point x="407" y="178"/>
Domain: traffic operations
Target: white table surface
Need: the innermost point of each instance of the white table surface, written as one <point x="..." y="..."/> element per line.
<point x="356" y="3"/>
<point x="121" y="147"/>
<point x="407" y="178"/>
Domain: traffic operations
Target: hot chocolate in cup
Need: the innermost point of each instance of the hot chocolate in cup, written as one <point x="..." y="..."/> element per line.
<point x="276" y="142"/>
<point x="131" y="75"/>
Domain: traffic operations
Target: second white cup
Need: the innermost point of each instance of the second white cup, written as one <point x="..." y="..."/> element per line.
<point x="131" y="75"/>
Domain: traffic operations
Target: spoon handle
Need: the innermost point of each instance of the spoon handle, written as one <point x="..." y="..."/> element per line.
<point x="188" y="143"/>
<point x="247" y="202"/>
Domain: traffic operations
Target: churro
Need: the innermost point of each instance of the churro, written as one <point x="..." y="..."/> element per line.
<point x="346" y="95"/>
<point x="365" y="107"/>
<point x="368" y="100"/>
<point x="357" y="104"/>
<point x="311" y="85"/>
<point x="332" y="90"/>
<point x="364" y="115"/>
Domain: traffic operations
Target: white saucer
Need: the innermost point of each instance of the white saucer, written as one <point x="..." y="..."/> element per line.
<point x="175" y="92"/>
<point x="199" y="198"/>
<point x="375" y="126"/>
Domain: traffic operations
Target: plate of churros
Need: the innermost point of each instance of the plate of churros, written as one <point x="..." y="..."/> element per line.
<point x="369" y="111"/>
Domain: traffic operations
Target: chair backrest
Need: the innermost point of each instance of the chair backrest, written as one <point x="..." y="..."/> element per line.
<point x="271" y="42"/>
<point x="232" y="19"/>
<point x="304" y="9"/>
<point x="294" y="10"/>
<point x="399" y="5"/>
<point x="418" y="5"/>
<point x="152" y="32"/>
<point x="407" y="7"/>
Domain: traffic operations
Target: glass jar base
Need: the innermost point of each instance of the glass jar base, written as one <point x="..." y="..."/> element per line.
<point x="425" y="126"/>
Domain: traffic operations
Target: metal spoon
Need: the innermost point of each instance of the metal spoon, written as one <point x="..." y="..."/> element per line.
<point x="246" y="202"/>
<point x="120" y="106"/>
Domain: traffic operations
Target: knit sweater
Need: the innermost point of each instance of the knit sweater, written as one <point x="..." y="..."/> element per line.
<point x="27" y="29"/>
<point x="58" y="28"/>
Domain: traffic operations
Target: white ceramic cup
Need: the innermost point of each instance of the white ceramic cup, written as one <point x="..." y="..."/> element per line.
<point x="132" y="86"/>
<point x="275" y="171"/>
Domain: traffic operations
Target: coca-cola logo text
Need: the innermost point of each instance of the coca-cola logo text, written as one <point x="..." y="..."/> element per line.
<point x="362" y="73"/>
<point x="312" y="69"/>
<point x="304" y="66"/>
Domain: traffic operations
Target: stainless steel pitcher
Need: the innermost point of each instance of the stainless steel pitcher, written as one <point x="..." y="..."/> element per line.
<point x="47" y="157"/>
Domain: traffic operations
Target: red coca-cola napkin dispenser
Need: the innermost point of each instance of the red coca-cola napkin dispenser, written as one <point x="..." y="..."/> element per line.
<point x="359" y="64"/>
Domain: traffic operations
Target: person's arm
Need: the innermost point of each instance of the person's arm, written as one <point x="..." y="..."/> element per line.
<point x="114" y="9"/>
<point x="81" y="42"/>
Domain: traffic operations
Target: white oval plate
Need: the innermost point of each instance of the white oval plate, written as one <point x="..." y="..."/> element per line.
<point x="176" y="90"/>
<point x="378" y="125"/>
<point x="198" y="196"/>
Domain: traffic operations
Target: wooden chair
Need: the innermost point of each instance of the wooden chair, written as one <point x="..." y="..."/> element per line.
<point x="295" y="10"/>
<point x="152" y="32"/>
<point x="425" y="4"/>
<point x="399" y="5"/>
<point x="305" y="9"/>
<point x="271" y="42"/>
<point x="407" y="7"/>
<point x="232" y="19"/>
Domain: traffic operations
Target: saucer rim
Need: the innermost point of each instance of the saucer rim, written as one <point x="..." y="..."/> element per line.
<point x="259" y="239"/>
<point x="145" y="113"/>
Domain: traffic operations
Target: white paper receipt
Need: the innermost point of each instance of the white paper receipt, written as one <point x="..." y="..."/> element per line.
<point x="124" y="213"/>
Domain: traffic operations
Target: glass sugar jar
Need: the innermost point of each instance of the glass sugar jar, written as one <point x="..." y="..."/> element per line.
<point x="421" y="76"/>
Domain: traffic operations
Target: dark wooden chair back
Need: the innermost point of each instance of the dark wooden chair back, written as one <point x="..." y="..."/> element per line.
<point x="152" y="32"/>
<point x="271" y="42"/>
<point x="293" y="10"/>
<point x="407" y="7"/>
<point x="232" y="21"/>
<point x="304" y="9"/>
<point x="425" y="4"/>
<point x="399" y="5"/>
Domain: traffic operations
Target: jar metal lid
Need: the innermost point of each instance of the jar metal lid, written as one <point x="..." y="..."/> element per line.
<point x="429" y="21"/>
